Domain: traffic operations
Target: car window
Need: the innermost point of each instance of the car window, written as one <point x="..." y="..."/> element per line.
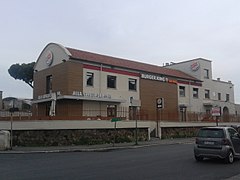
<point x="232" y="132"/>
<point x="211" y="133"/>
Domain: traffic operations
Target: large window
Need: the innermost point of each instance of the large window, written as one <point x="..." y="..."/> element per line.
<point x="132" y="84"/>
<point x="206" y="73"/>
<point x="182" y="91"/>
<point x="111" y="81"/>
<point x="48" y="84"/>
<point x="90" y="77"/>
<point x="195" y="92"/>
<point x="219" y="96"/>
<point x="207" y="94"/>
<point x="227" y="97"/>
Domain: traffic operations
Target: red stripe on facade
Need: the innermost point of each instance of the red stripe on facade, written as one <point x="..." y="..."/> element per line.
<point x="97" y="68"/>
<point x="189" y="83"/>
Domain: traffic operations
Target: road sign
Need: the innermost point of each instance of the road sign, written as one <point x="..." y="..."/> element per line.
<point x="216" y="111"/>
<point x="116" y="119"/>
<point x="160" y="103"/>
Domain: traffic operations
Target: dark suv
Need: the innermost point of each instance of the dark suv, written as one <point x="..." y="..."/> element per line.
<point x="217" y="142"/>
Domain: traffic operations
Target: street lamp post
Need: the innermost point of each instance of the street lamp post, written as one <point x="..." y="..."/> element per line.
<point x="136" y="129"/>
<point x="12" y="110"/>
<point x="136" y="126"/>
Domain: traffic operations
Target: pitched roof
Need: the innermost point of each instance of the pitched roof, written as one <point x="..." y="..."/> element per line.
<point x="129" y="64"/>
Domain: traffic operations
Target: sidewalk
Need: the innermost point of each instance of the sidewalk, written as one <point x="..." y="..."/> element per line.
<point x="97" y="148"/>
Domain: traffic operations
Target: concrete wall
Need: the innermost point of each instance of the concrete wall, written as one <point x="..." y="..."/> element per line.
<point x="104" y="125"/>
<point x="73" y="124"/>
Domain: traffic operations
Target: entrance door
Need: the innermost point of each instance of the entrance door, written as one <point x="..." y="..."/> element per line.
<point x="225" y="114"/>
<point x="132" y="112"/>
<point x="48" y="107"/>
<point x="111" y="111"/>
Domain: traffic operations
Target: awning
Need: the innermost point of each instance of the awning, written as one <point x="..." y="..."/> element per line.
<point x="61" y="97"/>
<point x="92" y="99"/>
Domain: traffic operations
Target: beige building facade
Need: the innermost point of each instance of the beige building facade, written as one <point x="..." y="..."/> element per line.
<point x="79" y="84"/>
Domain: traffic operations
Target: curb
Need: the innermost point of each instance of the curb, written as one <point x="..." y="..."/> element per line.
<point x="107" y="149"/>
<point x="100" y="149"/>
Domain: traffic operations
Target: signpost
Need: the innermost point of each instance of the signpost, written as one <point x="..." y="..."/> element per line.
<point x="160" y="103"/>
<point x="160" y="106"/>
<point x="12" y="110"/>
<point x="216" y="112"/>
<point x="132" y="114"/>
<point x="115" y="120"/>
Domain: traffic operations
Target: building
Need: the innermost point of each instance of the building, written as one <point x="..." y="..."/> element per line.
<point x="212" y="93"/>
<point x="21" y="105"/>
<point x="79" y="84"/>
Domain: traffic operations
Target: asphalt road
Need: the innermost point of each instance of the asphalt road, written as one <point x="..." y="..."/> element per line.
<point x="156" y="162"/>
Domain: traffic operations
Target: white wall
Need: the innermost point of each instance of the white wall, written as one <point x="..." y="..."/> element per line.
<point x="215" y="87"/>
<point x="59" y="53"/>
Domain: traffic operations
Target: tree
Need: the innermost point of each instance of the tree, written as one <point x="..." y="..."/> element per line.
<point x="22" y="72"/>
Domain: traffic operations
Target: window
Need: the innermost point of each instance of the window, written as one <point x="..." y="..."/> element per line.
<point x="90" y="77"/>
<point x="132" y="84"/>
<point x="208" y="112"/>
<point x="49" y="84"/>
<point x="232" y="132"/>
<point x="211" y="133"/>
<point x="227" y="97"/>
<point x="195" y="92"/>
<point x="207" y="94"/>
<point x="219" y="96"/>
<point x="206" y="73"/>
<point x="111" y="81"/>
<point x="182" y="91"/>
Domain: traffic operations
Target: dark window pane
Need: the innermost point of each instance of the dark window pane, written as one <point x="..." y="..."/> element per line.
<point x="90" y="78"/>
<point x="111" y="81"/>
<point x="49" y="84"/>
<point x="132" y="83"/>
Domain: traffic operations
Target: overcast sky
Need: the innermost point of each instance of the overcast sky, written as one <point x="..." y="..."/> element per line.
<point x="150" y="31"/>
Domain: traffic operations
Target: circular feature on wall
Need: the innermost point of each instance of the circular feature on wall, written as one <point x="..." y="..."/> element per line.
<point x="49" y="58"/>
<point x="195" y="66"/>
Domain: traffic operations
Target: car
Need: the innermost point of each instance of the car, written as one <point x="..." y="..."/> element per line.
<point x="217" y="142"/>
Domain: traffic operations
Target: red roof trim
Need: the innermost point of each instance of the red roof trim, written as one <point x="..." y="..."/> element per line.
<point x="190" y="83"/>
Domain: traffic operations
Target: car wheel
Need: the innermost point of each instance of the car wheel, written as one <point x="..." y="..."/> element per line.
<point x="230" y="157"/>
<point x="198" y="158"/>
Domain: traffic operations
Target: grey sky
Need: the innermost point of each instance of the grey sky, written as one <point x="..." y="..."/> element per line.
<point x="151" y="31"/>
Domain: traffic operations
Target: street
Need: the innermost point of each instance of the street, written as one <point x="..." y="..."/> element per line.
<point x="155" y="162"/>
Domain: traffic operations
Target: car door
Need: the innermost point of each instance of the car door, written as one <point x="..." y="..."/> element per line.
<point x="235" y="138"/>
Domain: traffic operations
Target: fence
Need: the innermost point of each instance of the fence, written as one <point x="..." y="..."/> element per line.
<point x="126" y="115"/>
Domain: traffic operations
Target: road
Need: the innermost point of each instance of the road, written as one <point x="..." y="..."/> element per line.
<point x="156" y="162"/>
